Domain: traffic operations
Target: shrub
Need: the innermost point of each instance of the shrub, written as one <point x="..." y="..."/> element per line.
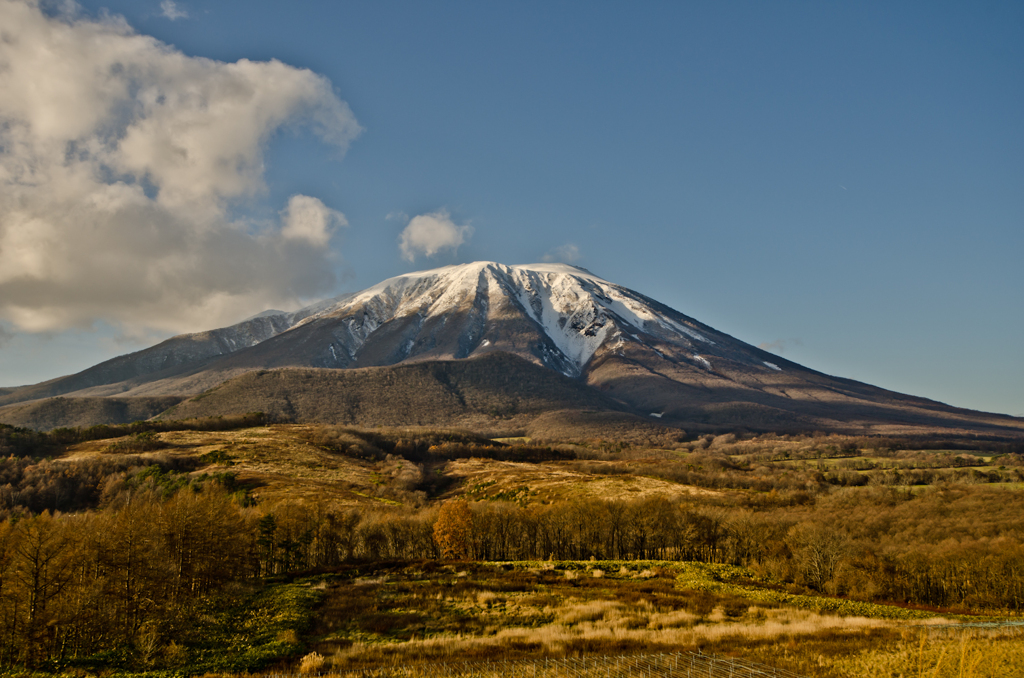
<point x="312" y="663"/>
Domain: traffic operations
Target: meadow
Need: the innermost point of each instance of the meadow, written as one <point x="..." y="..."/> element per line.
<point x="430" y="613"/>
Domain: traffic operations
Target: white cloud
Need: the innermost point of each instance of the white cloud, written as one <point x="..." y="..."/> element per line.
<point x="428" y="234"/>
<point x="170" y="10"/>
<point x="565" y="254"/>
<point x="119" y="160"/>
<point x="308" y="219"/>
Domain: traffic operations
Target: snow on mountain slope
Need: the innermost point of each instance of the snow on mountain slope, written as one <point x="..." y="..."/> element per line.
<point x="560" y="316"/>
<point x="573" y="311"/>
<point x="181" y="353"/>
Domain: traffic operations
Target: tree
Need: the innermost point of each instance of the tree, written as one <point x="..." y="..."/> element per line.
<point x="43" y="563"/>
<point x="454" y="529"/>
<point x="8" y="608"/>
<point x="266" y="543"/>
<point x="818" y="551"/>
<point x="135" y="561"/>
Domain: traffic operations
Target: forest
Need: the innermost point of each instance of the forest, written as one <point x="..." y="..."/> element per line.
<point x="116" y="559"/>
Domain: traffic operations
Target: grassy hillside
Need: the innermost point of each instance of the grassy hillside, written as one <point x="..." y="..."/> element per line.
<point x="51" y="413"/>
<point x="377" y="467"/>
<point x="498" y="393"/>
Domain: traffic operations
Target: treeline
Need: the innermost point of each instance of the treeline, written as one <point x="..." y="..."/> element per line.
<point x="30" y="485"/>
<point x="25" y="442"/>
<point x="71" y="436"/>
<point x="805" y="549"/>
<point x="817" y="445"/>
<point x="948" y="547"/>
<point x="960" y="443"/>
<point x="425" y="446"/>
<point x="800" y="481"/>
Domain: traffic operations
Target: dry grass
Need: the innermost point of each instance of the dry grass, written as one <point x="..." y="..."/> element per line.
<point x="959" y="654"/>
<point x="608" y="627"/>
<point x="312" y="663"/>
<point x="810" y="644"/>
<point x="280" y="462"/>
<point x="435" y="613"/>
<point x="428" y="612"/>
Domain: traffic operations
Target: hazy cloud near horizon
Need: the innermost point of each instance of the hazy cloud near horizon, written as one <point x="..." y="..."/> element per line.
<point x="779" y="346"/>
<point x="428" y="234"/>
<point x="120" y="159"/>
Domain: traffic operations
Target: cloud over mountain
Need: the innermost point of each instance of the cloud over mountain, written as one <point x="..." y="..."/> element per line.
<point x="120" y="160"/>
<point x="309" y="220"/>
<point x="428" y="234"/>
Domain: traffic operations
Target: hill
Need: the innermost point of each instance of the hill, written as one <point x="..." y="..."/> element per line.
<point x="51" y="413"/>
<point x="498" y="393"/>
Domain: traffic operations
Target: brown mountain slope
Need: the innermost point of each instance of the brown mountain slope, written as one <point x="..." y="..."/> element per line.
<point x="182" y="354"/>
<point x="51" y="413"/>
<point x="497" y="391"/>
<point x="723" y="394"/>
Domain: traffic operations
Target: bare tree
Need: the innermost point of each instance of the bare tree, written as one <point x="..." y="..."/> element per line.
<point x="818" y="550"/>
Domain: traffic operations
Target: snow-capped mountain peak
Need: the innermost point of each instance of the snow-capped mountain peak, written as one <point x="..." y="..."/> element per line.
<point x="459" y="311"/>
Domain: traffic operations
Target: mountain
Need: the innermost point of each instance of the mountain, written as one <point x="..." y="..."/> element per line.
<point x="641" y="356"/>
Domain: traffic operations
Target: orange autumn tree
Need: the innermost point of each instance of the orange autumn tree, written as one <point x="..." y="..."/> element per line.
<point x="453" y="530"/>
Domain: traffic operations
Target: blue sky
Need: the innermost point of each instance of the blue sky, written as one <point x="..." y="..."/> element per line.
<point x="843" y="183"/>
